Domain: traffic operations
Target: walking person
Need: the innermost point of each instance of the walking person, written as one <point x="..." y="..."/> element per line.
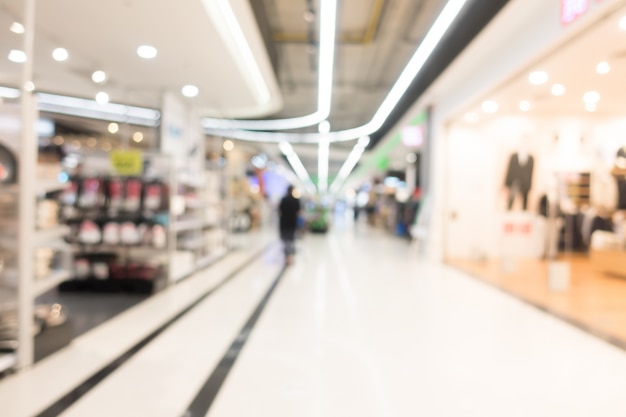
<point x="289" y="210"/>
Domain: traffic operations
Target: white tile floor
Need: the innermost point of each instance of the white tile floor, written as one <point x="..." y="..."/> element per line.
<point x="358" y="326"/>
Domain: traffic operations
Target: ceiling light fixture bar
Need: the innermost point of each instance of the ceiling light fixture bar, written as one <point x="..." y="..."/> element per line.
<point x="437" y="31"/>
<point x="349" y="164"/>
<point x="322" y="166"/>
<point x="297" y="166"/>
<point x="328" y="22"/>
<point x="229" y="28"/>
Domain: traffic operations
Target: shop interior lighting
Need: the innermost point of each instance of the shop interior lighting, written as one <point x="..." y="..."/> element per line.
<point x="17" y="28"/>
<point x="137" y="137"/>
<point x="622" y="23"/>
<point x="439" y="28"/>
<point x="111" y="112"/>
<point x="490" y="106"/>
<point x="349" y="164"/>
<point x="113" y="128"/>
<point x="322" y="166"/>
<point x="328" y="18"/>
<point x="29" y="86"/>
<point x="524" y="105"/>
<point x="102" y="98"/>
<point x="558" y="90"/>
<point x="591" y="107"/>
<point x="98" y="77"/>
<point x="190" y="91"/>
<point x="60" y="54"/>
<point x="147" y="52"/>
<point x="538" y="77"/>
<point x="228" y="26"/>
<point x="411" y="158"/>
<point x="591" y="97"/>
<point x="15" y="55"/>
<point x="603" y="68"/>
<point x="297" y="166"/>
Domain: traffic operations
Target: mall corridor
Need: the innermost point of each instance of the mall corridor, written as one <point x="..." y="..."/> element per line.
<point x="357" y="326"/>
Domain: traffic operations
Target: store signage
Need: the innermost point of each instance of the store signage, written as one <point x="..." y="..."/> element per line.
<point x="572" y="10"/>
<point x="413" y="136"/>
<point x="127" y="163"/>
<point x="522" y="228"/>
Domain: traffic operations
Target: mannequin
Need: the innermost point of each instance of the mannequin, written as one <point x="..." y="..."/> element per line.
<point x="619" y="171"/>
<point x="519" y="175"/>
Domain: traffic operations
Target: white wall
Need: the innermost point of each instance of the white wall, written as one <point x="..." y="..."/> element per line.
<point x="519" y="35"/>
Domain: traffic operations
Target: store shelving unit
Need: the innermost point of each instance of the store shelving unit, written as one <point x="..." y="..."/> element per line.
<point x="136" y="263"/>
<point x="13" y="275"/>
<point x="199" y="224"/>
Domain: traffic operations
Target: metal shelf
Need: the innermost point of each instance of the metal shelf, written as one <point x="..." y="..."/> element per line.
<point x="43" y="285"/>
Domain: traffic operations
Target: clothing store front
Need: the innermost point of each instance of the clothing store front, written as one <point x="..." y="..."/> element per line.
<point x="532" y="173"/>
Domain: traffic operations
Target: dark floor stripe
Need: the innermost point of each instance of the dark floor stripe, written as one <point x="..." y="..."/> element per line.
<point x="199" y="407"/>
<point x="70" y="398"/>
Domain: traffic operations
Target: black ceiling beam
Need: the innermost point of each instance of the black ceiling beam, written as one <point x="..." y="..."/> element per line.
<point x="472" y="20"/>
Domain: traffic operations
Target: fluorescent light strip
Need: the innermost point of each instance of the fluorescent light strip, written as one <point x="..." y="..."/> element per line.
<point x="297" y="166"/>
<point x="328" y="22"/>
<point x="349" y="164"/>
<point x="228" y="26"/>
<point x="322" y="166"/>
<point x="441" y="25"/>
<point x="91" y="109"/>
<point x="6" y="92"/>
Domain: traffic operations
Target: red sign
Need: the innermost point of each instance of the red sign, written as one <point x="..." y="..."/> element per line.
<point x="572" y="10"/>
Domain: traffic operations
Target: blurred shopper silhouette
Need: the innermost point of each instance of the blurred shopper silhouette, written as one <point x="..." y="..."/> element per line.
<point x="289" y="210"/>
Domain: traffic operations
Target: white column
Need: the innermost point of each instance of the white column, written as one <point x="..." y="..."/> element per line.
<point x="26" y="217"/>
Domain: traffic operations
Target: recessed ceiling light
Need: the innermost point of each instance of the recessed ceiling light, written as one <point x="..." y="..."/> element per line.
<point x="92" y="142"/>
<point x="190" y="90"/>
<point x="603" y="68"/>
<point x="29" y="86"/>
<point x="147" y="51"/>
<point x="113" y="128"/>
<point x="17" y="28"/>
<point x="471" y="117"/>
<point x="228" y="145"/>
<point x="558" y="90"/>
<point x="102" y="97"/>
<point x="538" y="77"/>
<point x="524" y="105"/>
<point x="106" y="146"/>
<point x="591" y="97"/>
<point x="490" y="106"/>
<point x="622" y="23"/>
<point x="99" y="77"/>
<point x="17" y="56"/>
<point x="137" y="137"/>
<point x="60" y="54"/>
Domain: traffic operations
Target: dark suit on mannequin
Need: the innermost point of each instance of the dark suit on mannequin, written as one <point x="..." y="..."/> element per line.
<point x="519" y="176"/>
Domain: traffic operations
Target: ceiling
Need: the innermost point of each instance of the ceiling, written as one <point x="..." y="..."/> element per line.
<point x="573" y="65"/>
<point x="375" y="39"/>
